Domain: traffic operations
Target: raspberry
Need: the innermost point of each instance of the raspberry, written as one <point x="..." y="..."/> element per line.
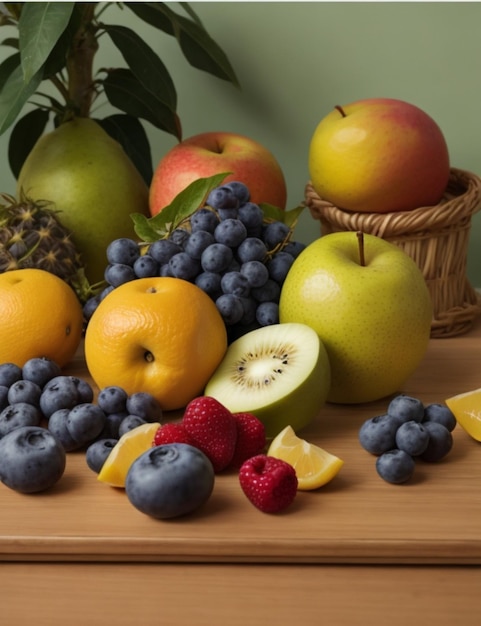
<point x="251" y="438"/>
<point x="269" y="483"/>
<point x="172" y="432"/>
<point x="213" y="430"/>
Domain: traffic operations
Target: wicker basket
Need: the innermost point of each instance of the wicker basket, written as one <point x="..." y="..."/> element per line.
<point x="435" y="237"/>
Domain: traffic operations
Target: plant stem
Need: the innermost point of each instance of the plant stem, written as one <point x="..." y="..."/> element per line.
<point x="360" y="240"/>
<point x="80" y="62"/>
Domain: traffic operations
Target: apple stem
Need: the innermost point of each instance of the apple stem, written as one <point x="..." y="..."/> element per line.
<point x="340" y="109"/>
<point x="360" y="239"/>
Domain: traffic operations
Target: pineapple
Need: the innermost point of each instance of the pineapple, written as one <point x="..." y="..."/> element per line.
<point x="32" y="236"/>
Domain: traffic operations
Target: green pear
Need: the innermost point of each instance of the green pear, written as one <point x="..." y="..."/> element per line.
<point x="91" y="182"/>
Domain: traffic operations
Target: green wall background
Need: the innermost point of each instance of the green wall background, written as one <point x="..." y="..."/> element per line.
<point x="296" y="60"/>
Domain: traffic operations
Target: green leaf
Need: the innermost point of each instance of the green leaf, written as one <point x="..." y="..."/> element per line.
<point x="23" y="137"/>
<point x="198" y="47"/>
<point x="130" y="133"/>
<point x="14" y="94"/>
<point x="145" y="64"/>
<point x="125" y="92"/>
<point x="39" y="28"/>
<point x="289" y="217"/>
<point x="182" y="206"/>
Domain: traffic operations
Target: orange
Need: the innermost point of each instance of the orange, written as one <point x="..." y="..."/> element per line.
<point x="466" y="408"/>
<point x="159" y="335"/>
<point x="128" y="448"/>
<point x="40" y="316"/>
<point x="314" y="466"/>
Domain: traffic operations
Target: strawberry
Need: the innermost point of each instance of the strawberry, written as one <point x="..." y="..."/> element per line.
<point x="251" y="438"/>
<point x="172" y="432"/>
<point x="269" y="483"/>
<point x="213" y="430"/>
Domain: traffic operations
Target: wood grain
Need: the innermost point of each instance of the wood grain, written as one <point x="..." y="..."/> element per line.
<point x="357" y="518"/>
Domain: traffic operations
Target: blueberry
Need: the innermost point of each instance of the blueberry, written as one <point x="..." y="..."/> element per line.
<point x="406" y="408"/>
<point x="170" y="480"/>
<point x="182" y="265"/>
<point x="57" y="425"/>
<point x="256" y="273"/>
<point x="204" y="219"/>
<point x="97" y="453"/>
<point x="239" y="189"/>
<point x="279" y="266"/>
<point x="3" y="397"/>
<point x="216" y="258"/>
<point x="129" y="423"/>
<point x="378" y="434"/>
<point x="40" y="370"/>
<point x="24" y="391"/>
<point x="164" y="270"/>
<point x="59" y="393"/>
<point x="228" y="214"/>
<point x="118" y="274"/>
<point x="145" y="405"/>
<point x="111" y="427"/>
<point x="275" y="233"/>
<point x="440" y="413"/>
<point x="31" y="459"/>
<point x="16" y="415"/>
<point x="163" y="250"/>
<point x="146" y="267"/>
<point x="395" y="466"/>
<point x="251" y="216"/>
<point x="105" y="292"/>
<point x="198" y="242"/>
<point x="412" y="437"/>
<point x="294" y="248"/>
<point x="209" y="282"/>
<point x="112" y="399"/>
<point x="230" y="232"/>
<point x="85" y="422"/>
<point x="179" y="236"/>
<point x="250" y="307"/>
<point x="85" y="393"/>
<point x="90" y="306"/>
<point x="230" y="307"/>
<point x="122" y="250"/>
<point x="9" y="374"/>
<point x="267" y="313"/>
<point x="269" y="292"/>
<point x="251" y="249"/>
<point x="222" y="198"/>
<point x="235" y="283"/>
<point x="440" y="442"/>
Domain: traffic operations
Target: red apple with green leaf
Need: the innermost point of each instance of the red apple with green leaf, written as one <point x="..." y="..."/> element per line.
<point x="211" y="153"/>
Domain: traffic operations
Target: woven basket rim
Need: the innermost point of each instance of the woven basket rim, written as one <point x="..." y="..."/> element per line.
<point x="460" y="201"/>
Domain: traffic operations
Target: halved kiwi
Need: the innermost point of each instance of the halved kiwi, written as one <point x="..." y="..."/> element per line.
<point x="280" y="373"/>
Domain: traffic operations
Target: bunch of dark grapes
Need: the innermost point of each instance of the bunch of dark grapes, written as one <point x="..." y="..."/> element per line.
<point x="228" y="248"/>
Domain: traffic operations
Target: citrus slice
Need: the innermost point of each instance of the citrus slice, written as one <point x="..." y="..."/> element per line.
<point x="128" y="448"/>
<point x="466" y="408"/>
<point x="314" y="466"/>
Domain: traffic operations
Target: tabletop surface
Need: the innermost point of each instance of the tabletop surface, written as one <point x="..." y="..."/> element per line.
<point x="356" y="519"/>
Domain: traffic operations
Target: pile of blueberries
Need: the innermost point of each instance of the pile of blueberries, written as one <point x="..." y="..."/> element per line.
<point x="40" y="406"/>
<point x="408" y="430"/>
<point x="228" y="249"/>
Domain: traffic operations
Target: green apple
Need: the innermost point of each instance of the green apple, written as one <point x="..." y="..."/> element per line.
<point x="370" y="305"/>
<point x="280" y="373"/>
<point x="92" y="184"/>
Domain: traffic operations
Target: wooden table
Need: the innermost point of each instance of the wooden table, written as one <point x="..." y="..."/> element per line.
<point x="357" y="551"/>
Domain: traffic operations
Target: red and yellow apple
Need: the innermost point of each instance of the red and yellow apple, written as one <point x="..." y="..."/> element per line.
<point x="212" y="153"/>
<point x="379" y="155"/>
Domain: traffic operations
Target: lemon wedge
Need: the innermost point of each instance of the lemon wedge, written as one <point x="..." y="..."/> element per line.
<point x="466" y="408"/>
<point x="128" y="448"/>
<point x="314" y="466"/>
